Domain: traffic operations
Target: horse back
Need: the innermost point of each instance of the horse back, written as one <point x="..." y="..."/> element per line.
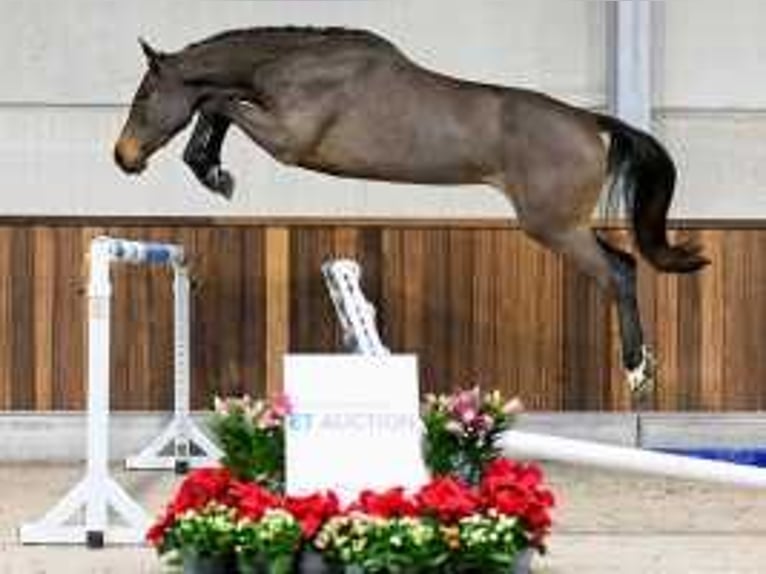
<point x="363" y="109"/>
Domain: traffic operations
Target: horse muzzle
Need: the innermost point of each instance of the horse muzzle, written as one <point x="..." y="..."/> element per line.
<point x="128" y="155"/>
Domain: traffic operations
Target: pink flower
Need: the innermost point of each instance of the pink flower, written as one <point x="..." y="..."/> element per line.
<point x="281" y="406"/>
<point x="513" y="407"/>
<point x="468" y="415"/>
<point x="268" y="420"/>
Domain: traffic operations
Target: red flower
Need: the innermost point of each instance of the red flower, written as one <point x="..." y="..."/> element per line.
<point x="511" y="500"/>
<point x="448" y="499"/>
<point x="387" y="504"/>
<point x="537" y="516"/>
<point x="252" y="500"/>
<point x="201" y="487"/>
<point x="515" y="489"/>
<point x="313" y="510"/>
<point x="156" y="533"/>
<point x="197" y="490"/>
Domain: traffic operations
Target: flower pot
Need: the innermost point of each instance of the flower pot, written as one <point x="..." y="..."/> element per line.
<point x="311" y="562"/>
<point x="263" y="565"/>
<point x="251" y="565"/>
<point x="195" y="564"/>
<point x="521" y="565"/>
<point x="523" y="562"/>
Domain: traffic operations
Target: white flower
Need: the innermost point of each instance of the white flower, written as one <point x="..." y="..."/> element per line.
<point x="221" y="406"/>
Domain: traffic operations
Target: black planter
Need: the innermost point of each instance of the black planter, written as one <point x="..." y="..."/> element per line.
<point x="261" y="565"/>
<point x="194" y="564"/>
<point x="311" y="562"/>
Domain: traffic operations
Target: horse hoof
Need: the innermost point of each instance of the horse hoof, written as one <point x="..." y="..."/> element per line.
<point x="220" y="181"/>
<point x="641" y="378"/>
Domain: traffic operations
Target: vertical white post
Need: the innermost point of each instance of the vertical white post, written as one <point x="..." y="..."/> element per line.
<point x="631" y="62"/>
<point x="181" y="358"/>
<point x="99" y="295"/>
<point x="172" y="448"/>
<point x="82" y="515"/>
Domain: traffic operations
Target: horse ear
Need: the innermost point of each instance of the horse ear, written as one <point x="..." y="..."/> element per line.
<point x="153" y="57"/>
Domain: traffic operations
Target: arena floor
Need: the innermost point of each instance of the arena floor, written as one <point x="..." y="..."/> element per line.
<point x="606" y="523"/>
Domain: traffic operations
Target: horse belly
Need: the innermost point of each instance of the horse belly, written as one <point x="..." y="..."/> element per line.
<point x="413" y="134"/>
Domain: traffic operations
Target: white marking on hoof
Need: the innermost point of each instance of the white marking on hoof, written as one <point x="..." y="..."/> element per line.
<point x="641" y="377"/>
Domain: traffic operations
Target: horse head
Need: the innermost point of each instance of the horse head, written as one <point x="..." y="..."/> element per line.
<point x="162" y="106"/>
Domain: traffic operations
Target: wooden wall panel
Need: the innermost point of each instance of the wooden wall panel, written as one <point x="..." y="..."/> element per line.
<point x="43" y="324"/>
<point x="479" y="304"/>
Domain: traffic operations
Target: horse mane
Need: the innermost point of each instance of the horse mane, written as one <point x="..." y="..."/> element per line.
<point x="228" y="57"/>
<point x="293" y="32"/>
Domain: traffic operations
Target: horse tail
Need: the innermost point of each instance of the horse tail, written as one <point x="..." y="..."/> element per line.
<point x="643" y="171"/>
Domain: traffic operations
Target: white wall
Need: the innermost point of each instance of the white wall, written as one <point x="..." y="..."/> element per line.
<point x="710" y="93"/>
<point x="71" y="66"/>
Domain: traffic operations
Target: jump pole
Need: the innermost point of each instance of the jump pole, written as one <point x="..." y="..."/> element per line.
<point x="82" y="515"/>
<point x="525" y="445"/>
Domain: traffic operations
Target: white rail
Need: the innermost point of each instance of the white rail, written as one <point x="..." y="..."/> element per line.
<point x="524" y="445"/>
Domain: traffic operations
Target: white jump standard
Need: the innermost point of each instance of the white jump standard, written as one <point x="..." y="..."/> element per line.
<point x="355" y="313"/>
<point x="182" y="444"/>
<point x="98" y="492"/>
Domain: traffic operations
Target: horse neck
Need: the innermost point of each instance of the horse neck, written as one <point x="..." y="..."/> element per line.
<point x="222" y="64"/>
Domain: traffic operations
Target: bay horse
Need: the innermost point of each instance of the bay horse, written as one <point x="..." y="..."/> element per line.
<point x="349" y="103"/>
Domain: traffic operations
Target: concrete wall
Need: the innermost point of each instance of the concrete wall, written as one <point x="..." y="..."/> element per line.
<point x="710" y="98"/>
<point x="70" y="68"/>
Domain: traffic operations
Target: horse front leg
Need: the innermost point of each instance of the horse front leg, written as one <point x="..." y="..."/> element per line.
<point x="203" y="153"/>
<point x="268" y="130"/>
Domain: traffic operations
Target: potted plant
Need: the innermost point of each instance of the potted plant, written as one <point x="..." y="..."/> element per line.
<point x="461" y="430"/>
<point x="251" y="435"/>
<point x="269" y="545"/>
<point x="446" y="526"/>
<point x="203" y="539"/>
<point x="479" y="513"/>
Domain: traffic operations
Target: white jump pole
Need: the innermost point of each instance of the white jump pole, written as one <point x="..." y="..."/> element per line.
<point x="524" y="445"/>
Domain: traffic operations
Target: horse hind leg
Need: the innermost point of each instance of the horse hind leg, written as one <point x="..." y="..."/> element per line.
<point x="614" y="272"/>
<point x="637" y="359"/>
